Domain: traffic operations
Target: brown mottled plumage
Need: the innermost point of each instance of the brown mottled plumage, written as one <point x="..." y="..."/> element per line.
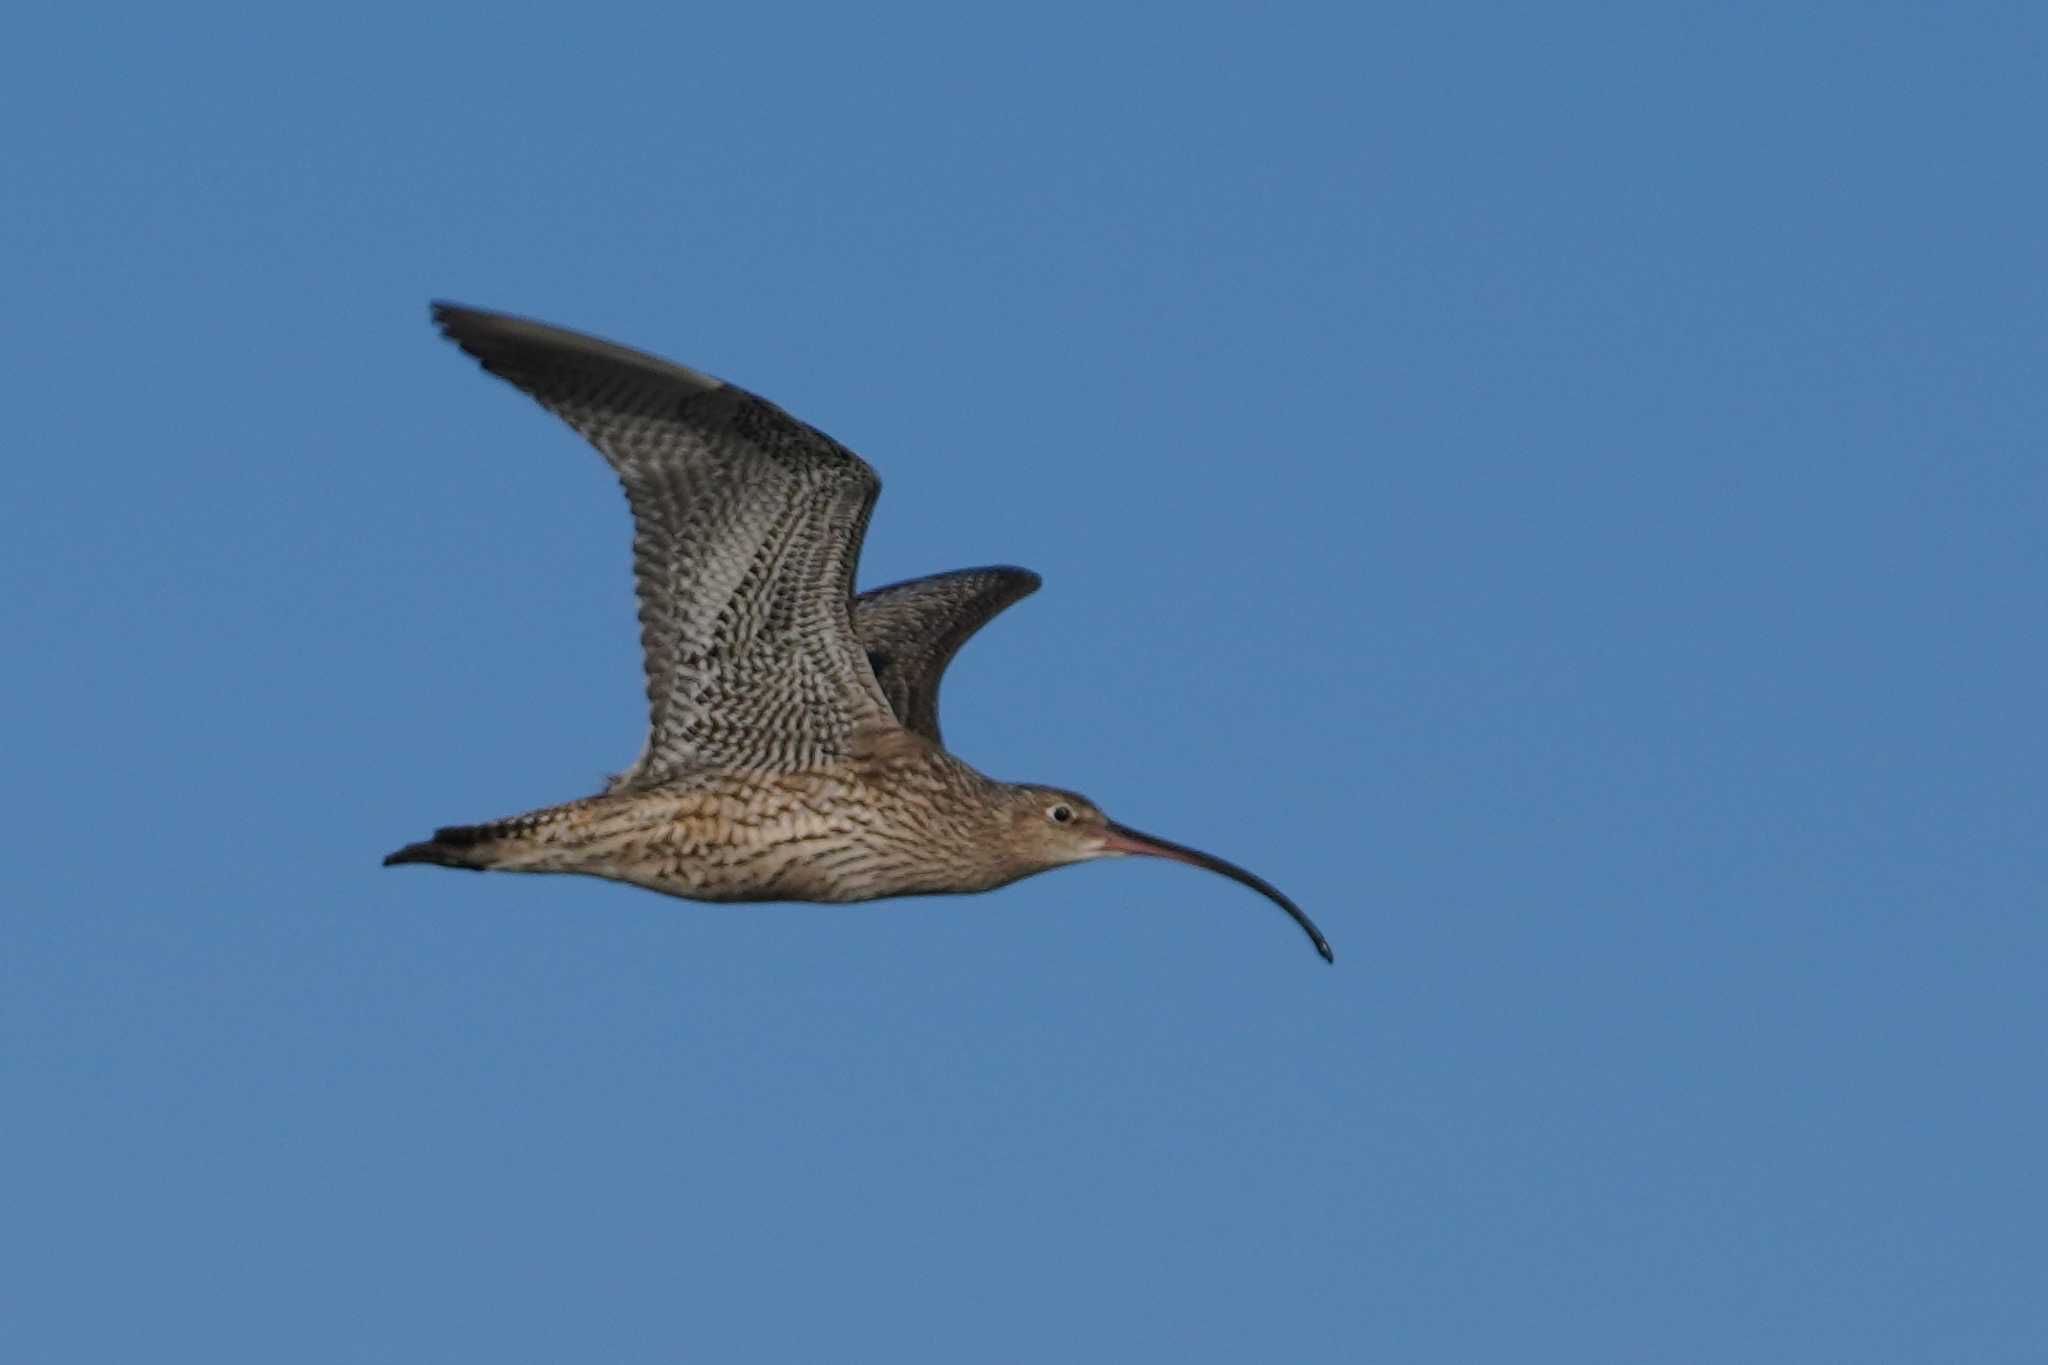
<point x="912" y="630"/>
<point x="793" y="749"/>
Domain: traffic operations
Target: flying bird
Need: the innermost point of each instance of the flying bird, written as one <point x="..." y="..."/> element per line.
<point x="793" y="749"/>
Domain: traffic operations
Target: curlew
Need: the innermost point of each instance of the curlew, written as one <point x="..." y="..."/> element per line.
<point x="793" y="748"/>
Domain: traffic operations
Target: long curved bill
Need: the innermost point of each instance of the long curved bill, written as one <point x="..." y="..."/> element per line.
<point x="1125" y="840"/>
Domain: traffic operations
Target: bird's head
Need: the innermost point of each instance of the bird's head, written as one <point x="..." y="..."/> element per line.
<point x="1050" y="828"/>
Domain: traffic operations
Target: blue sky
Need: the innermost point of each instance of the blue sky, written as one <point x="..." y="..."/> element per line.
<point x="1559" y="490"/>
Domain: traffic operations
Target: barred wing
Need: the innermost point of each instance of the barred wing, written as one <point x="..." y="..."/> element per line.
<point x="912" y="631"/>
<point x="746" y="528"/>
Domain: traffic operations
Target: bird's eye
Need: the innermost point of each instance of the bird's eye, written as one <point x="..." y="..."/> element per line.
<point x="1061" y="814"/>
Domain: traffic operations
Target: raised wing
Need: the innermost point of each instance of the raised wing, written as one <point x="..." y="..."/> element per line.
<point x="746" y="528"/>
<point x="912" y="631"/>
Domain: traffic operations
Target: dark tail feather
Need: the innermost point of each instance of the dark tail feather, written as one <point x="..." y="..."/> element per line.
<point x="452" y="846"/>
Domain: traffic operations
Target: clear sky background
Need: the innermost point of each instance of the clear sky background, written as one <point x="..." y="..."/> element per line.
<point x="1558" y="489"/>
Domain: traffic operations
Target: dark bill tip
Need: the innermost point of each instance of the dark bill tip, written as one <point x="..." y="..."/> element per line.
<point x="1125" y="840"/>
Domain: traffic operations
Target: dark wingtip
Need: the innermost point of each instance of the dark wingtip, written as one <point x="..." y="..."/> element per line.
<point x="1323" y="947"/>
<point x="466" y="327"/>
<point x="523" y="350"/>
<point x="462" y="324"/>
<point x="1027" y="582"/>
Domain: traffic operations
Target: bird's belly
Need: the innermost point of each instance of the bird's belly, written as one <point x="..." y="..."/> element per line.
<point x="722" y="848"/>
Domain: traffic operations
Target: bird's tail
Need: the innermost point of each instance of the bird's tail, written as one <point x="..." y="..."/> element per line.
<point x="556" y="839"/>
<point x="455" y="846"/>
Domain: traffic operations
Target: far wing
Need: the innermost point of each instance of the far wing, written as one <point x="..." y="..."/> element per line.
<point x="912" y="630"/>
